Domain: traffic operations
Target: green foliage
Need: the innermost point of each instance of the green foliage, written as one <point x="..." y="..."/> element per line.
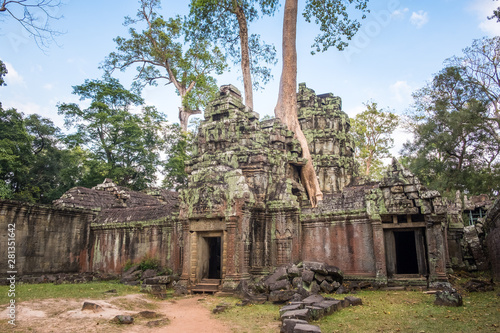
<point x="456" y="144"/>
<point x="217" y="20"/>
<point x="372" y="130"/>
<point x="3" y="72"/>
<point x="334" y="22"/>
<point x="149" y="263"/>
<point x="161" y="53"/>
<point x="179" y="148"/>
<point x="124" y="146"/>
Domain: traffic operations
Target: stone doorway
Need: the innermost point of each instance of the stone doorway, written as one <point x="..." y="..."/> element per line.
<point x="209" y="250"/>
<point x="406" y="253"/>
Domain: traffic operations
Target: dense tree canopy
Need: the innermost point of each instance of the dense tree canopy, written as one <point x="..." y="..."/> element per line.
<point x="124" y="146"/>
<point x="161" y="54"/>
<point x="456" y="144"/>
<point x="3" y="72"/>
<point x="372" y="130"/>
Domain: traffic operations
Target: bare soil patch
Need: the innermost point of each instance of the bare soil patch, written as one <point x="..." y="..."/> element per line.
<point x="65" y="315"/>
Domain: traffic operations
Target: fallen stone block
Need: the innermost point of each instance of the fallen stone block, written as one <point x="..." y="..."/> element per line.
<point x="312" y="299"/>
<point x="326" y="287"/>
<point x="122" y="319"/>
<point x="88" y="306"/>
<point x="448" y="298"/>
<point x="148" y="314"/>
<point x="163" y="279"/>
<point x="315" y="311"/>
<point x="289" y="324"/>
<point x="293" y="272"/>
<point x="306" y="328"/>
<point x="291" y="307"/>
<point x="280" y="285"/>
<point x="353" y="301"/>
<point x="303" y="314"/>
<point x="307" y="275"/>
<point x="329" y="306"/>
<point x="279" y="274"/>
<point x="280" y="296"/>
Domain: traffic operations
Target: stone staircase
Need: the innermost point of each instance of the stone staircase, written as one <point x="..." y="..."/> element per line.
<point x="206" y="286"/>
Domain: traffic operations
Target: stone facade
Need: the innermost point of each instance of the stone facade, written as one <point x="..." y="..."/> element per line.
<point x="245" y="212"/>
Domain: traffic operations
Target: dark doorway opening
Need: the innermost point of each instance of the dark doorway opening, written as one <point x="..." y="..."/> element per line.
<point x="214" y="262"/>
<point x="406" y="252"/>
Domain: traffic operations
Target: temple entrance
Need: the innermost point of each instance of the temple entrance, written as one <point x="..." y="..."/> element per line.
<point x="209" y="257"/>
<point x="405" y="253"/>
<point x="214" y="261"/>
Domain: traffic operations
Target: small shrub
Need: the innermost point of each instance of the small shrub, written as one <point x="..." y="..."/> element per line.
<point x="149" y="263"/>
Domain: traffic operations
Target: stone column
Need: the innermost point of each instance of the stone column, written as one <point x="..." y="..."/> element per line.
<point x="436" y="251"/>
<point x="186" y="253"/>
<point x="379" y="252"/>
<point x="233" y="275"/>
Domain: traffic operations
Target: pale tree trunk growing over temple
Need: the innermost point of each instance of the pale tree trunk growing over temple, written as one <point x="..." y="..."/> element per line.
<point x="286" y="108"/>
<point x="245" y="56"/>
<point x="335" y="24"/>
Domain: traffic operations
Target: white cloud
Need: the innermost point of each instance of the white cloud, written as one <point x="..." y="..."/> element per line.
<point x="399" y="13"/>
<point x="401" y="93"/>
<point x="48" y="86"/>
<point x="13" y="77"/>
<point x="483" y="10"/>
<point x="419" y="19"/>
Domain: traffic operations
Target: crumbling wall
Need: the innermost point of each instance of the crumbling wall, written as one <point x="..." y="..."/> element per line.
<point x="116" y="244"/>
<point x="326" y="128"/>
<point x="47" y="239"/>
<point x="492" y="229"/>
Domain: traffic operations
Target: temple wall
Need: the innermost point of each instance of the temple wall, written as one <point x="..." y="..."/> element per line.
<point x="115" y="245"/>
<point x="347" y="244"/>
<point x="47" y="239"/>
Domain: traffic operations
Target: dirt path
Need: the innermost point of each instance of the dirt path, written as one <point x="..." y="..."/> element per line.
<point x="58" y="316"/>
<point x="188" y="315"/>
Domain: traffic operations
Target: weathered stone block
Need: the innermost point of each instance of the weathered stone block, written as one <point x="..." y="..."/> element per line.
<point x="280" y="296"/>
<point x="353" y="301"/>
<point x="326" y="287"/>
<point x="316" y="311"/>
<point x="293" y="272"/>
<point x="280" y="285"/>
<point x="312" y="299"/>
<point x="306" y="328"/>
<point x="448" y="298"/>
<point x="329" y="306"/>
<point x="319" y="277"/>
<point x="291" y="307"/>
<point x="303" y="314"/>
<point x="289" y="325"/>
<point x="279" y="274"/>
<point x="307" y="275"/>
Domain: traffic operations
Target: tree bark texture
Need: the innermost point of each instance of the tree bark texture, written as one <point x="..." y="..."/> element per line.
<point x="245" y="56"/>
<point x="286" y="108"/>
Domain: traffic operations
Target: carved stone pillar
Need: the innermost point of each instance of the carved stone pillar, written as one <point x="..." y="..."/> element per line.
<point x="379" y="252"/>
<point x="186" y="253"/>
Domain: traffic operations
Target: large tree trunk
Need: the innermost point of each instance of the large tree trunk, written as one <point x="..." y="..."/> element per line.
<point x="184" y="115"/>
<point x="245" y="56"/>
<point x="286" y="108"/>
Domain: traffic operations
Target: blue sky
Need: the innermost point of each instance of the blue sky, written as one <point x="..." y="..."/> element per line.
<point x="398" y="49"/>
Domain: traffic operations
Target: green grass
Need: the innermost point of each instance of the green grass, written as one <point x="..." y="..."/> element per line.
<point x="412" y="311"/>
<point x="27" y="292"/>
<point x="382" y="311"/>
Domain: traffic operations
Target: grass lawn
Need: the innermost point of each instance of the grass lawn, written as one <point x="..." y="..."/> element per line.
<point x="384" y="311"/>
<point x="91" y="290"/>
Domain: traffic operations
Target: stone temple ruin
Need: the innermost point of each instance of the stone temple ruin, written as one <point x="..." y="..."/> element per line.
<point x="245" y="212"/>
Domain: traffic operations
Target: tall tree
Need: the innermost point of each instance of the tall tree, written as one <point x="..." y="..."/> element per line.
<point x="160" y="53"/>
<point x="335" y="26"/>
<point x="481" y="68"/>
<point x="34" y="16"/>
<point x="125" y="146"/>
<point x="227" y="22"/>
<point x="372" y="131"/>
<point x="455" y="145"/>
